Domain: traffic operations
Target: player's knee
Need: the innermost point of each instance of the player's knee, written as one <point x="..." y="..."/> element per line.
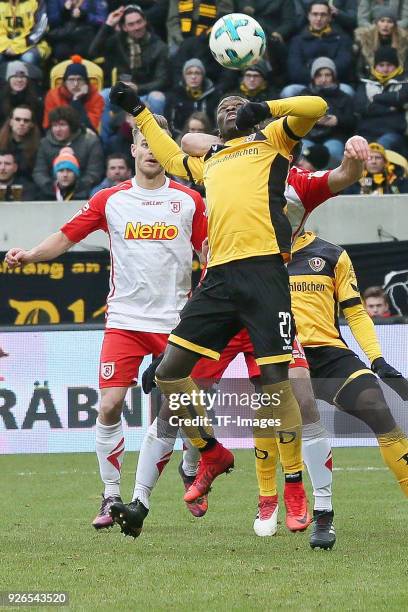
<point x="176" y="363"/>
<point x="273" y="373"/>
<point x="369" y="405"/>
<point x="110" y="409"/>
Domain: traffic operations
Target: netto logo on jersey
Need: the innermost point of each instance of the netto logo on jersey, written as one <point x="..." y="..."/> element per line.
<point x="144" y="231"/>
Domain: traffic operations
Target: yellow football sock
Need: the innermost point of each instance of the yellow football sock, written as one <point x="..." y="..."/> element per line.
<point x="289" y="432"/>
<point x="394" y="451"/>
<point x="266" y="457"/>
<point x="177" y="392"/>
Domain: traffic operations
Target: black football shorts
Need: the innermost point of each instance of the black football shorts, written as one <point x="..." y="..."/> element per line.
<point x="252" y="293"/>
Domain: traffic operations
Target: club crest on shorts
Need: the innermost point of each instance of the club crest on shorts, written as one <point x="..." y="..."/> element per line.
<point x="175" y="207"/>
<point x="317" y="264"/>
<point x="107" y="370"/>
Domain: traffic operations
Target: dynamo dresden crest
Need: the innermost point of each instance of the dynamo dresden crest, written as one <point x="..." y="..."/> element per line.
<point x="107" y="370"/>
<point x="317" y="264"/>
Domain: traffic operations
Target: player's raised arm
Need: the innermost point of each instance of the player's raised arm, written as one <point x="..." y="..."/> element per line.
<point x="301" y="114"/>
<point x="197" y="145"/>
<point x="165" y="150"/>
<point x="53" y="246"/>
<point x="356" y="152"/>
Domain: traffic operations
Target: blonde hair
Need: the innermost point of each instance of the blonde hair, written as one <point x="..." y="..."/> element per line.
<point x="162" y="122"/>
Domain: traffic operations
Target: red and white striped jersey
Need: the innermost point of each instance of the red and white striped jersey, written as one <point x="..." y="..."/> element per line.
<point x="304" y="192"/>
<point x="152" y="234"/>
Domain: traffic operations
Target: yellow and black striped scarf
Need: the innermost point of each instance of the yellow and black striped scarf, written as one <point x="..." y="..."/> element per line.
<point x="207" y="12"/>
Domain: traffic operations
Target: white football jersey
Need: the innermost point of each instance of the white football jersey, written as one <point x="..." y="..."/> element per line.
<point x="152" y="234"/>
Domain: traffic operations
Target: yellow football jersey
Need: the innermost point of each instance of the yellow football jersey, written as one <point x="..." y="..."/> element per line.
<point x="322" y="280"/>
<point x="244" y="180"/>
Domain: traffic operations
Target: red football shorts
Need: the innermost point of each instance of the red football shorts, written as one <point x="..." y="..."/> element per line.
<point x="208" y="371"/>
<point x="123" y="352"/>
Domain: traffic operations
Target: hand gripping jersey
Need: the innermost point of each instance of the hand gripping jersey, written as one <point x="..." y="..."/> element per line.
<point x="152" y="234"/>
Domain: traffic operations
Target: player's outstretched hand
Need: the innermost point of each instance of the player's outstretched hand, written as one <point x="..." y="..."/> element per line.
<point x="15" y="257"/>
<point x="391" y="377"/>
<point x="251" y="114"/>
<point x="357" y="147"/>
<point x="148" y="382"/>
<point x="125" y="96"/>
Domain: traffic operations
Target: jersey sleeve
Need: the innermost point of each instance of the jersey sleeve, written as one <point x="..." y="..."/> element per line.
<point x="280" y="137"/>
<point x="166" y="151"/>
<point x="199" y="225"/>
<point x="348" y="296"/>
<point x="311" y="187"/>
<point x="88" y="219"/>
<point x="346" y="288"/>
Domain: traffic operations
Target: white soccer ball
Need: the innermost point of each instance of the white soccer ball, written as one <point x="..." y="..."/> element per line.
<point x="237" y="41"/>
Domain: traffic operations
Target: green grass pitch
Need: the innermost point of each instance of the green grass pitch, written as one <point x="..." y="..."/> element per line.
<point x="212" y="563"/>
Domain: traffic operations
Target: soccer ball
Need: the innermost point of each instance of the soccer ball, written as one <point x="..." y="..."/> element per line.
<point x="237" y="41"/>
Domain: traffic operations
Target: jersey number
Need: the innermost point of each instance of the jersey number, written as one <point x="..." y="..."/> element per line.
<point x="285" y="327"/>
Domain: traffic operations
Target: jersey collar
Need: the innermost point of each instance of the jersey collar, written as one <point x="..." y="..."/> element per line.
<point x="303" y="241"/>
<point x="150" y="191"/>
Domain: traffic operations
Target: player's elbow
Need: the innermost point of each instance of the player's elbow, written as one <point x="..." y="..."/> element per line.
<point x="321" y="107"/>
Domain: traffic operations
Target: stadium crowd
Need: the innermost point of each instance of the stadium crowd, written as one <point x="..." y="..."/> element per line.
<point x="61" y="139"/>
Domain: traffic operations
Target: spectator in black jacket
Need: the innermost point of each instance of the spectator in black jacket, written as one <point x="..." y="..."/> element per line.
<point x="380" y="102"/>
<point x="254" y="83"/>
<point x="13" y="186"/>
<point x="318" y="39"/>
<point x="344" y="14"/>
<point x="21" y="136"/>
<point x="336" y="126"/>
<point x="194" y="93"/>
<point x="134" y="50"/>
<point x="19" y="89"/>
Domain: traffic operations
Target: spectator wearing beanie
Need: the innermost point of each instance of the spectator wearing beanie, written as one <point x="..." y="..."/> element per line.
<point x="380" y="102"/>
<point x="313" y="158"/>
<point x="77" y="92"/>
<point x="254" y="84"/>
<point x="385" y="32"/>
<point x="336" y="126"/>
<point x="66" y="171"/>
<point x="195" y="92"/>
<point x="19" y="89"/>
<point x="368" y="11"/>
